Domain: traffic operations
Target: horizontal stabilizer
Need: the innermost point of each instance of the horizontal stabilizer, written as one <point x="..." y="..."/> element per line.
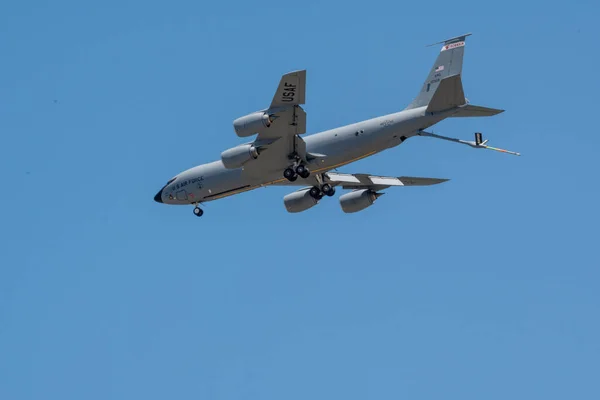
<point x="449" y="94"/>
<point x="476" y="111"/>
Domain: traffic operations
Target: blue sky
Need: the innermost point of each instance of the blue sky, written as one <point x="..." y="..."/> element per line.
<point x="483" y="287"/>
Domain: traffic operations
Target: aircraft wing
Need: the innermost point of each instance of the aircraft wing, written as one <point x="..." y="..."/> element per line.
<point x="291" y="90"/>
<point x="374" y="182"/>
<point x="287" y="122"/>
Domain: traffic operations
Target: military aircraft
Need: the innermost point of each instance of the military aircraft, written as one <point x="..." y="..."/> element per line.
<point x="279" y="155"/>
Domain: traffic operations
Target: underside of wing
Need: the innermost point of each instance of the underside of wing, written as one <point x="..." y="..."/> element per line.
<point x="291" y="90"/>
<point x="277" y="128"/>
<point x="374" y="182"/>
<point x="284" y="121"/>
<point x="286" y="115"/>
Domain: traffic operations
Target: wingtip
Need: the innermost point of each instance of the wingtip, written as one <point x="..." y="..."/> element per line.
<point x="418" y="181"/>
<point x="296" y="71"/>
<point x="437" y="181"/>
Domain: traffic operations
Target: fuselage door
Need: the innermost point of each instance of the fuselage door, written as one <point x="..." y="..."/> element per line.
<point x="181" y="195"/>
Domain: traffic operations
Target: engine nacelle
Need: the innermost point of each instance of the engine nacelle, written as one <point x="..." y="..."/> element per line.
<point x="252" y="123"/>
<point x="358" y="200"/>
<point x="237" y="156"/>
<point x="299" y="201"/>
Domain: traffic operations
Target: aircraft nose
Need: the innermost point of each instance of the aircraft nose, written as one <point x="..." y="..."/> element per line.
<point x="158" y="197"/>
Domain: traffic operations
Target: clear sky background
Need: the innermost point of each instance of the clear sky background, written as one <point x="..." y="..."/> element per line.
<point x="485" y="287"/>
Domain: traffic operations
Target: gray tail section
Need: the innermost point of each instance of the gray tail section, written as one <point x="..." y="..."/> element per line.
<point x="448" y="95"/>
<point x="448" y="64"/>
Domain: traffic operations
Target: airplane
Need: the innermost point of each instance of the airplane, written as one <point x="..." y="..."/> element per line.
<point x="279" y="155"/>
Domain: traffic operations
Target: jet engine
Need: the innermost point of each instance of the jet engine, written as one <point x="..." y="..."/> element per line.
<point x="237" y="156"/>
<point x="358" y="200"/>
<point x="299" y="201"/>
<point x="253" y="123"/>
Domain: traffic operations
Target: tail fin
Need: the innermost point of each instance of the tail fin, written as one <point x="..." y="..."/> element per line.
<point x="448" y="95"/>
<point x="448" y="63"/>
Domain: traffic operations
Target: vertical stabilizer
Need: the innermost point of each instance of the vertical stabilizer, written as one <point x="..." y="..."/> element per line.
<point x="448" y="63"/>
<point x="448" y="95"/>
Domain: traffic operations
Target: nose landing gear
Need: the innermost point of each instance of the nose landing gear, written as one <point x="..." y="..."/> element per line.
<point x="198" y="211"/>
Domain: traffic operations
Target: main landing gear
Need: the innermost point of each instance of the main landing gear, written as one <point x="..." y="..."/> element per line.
<point x="198" y="211"/>
<point x="291" y="173"/>
<point x="317" y="192"/>
<point x="303" y="171"/>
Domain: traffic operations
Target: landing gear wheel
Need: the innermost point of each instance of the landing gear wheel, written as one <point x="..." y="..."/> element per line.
<point x="315" y="193"/>
<point x="198" y="212"/>
<point x="289" y="174"/>
<point x="303" y="171"/>
<point x="293" y="178"/>
<point x="326" y="188"/>
<point x="330" y="192"/>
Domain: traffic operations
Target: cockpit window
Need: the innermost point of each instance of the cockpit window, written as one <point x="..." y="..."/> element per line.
<point x="171" y="181"/>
